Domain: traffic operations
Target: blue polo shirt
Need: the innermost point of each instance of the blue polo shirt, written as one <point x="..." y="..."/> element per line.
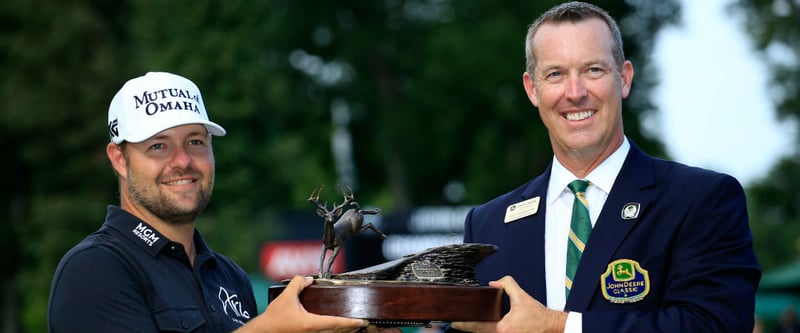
<point x="127" y="277"/>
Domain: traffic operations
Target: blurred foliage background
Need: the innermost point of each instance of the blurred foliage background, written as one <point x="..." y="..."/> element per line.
<point x="399" y="98"/>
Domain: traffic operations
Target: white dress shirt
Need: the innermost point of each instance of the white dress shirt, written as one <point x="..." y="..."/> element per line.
<point x="557" y="223"/>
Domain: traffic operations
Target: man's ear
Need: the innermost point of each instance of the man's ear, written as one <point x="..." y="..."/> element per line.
<point x="530" y="90"/>
<point x="117" y="158"/>
<point x="626" y="76"/>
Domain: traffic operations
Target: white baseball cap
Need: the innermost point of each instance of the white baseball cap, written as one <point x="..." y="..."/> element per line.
<point x="154" y="102"/>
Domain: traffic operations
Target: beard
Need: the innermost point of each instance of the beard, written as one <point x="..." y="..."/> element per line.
<point x="164" y="207"/>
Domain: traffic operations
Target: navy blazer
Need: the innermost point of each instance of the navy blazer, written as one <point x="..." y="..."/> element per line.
<point x="691" y="236"/>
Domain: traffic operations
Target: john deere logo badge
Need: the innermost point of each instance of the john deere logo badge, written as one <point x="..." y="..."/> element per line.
<point x="625" y="282"/>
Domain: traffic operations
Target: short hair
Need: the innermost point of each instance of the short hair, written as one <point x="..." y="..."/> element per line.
<point x="573" y="12"/>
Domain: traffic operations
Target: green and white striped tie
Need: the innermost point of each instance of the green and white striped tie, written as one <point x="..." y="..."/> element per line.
<point x="579" y="230"/>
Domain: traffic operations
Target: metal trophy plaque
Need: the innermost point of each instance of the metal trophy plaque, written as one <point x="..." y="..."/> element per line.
<point x="435" y="285"/>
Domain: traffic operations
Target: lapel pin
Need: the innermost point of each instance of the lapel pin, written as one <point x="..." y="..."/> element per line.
<point x="630" y="211"/>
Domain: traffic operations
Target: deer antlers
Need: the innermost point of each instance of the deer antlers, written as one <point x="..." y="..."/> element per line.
<point x="322" y="209"/>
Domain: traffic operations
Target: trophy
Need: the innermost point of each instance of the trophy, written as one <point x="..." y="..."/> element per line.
<point x="435" y="285"/>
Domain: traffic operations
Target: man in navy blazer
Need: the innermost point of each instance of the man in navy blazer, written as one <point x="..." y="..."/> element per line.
<point x="670" y="248"/>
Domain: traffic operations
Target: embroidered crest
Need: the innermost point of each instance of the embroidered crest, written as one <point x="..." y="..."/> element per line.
<point x="625" y="281"/>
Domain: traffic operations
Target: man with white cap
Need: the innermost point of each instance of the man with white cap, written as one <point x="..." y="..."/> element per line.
<point x="147" y="269"/>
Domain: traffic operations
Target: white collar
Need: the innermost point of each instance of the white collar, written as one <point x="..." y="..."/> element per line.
<point x="603" y="176"/>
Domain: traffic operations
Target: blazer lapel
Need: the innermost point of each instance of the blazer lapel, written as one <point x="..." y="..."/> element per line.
<point x="527" y="263"/>
<point x="611" y="227"/>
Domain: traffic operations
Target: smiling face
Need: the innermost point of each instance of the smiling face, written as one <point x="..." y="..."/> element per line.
<point x="168" y="177"/>
<point x="578" y="89"/>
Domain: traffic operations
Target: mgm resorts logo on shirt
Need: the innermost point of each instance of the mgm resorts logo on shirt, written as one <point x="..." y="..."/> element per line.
<point x="146" y="234"/>
<point x="166" y="100"/>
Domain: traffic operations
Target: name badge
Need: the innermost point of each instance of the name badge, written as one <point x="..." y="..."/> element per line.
<point x="521" y="209"/>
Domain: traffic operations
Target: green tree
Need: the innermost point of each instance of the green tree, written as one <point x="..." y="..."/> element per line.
<point x="773" y="202"/>
<point x="774" y="209"/>
<point x="56" y="60"/>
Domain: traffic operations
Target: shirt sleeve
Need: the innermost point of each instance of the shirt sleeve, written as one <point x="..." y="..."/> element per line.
<point x="94" y="290"/>
<point x="574" y="322"/>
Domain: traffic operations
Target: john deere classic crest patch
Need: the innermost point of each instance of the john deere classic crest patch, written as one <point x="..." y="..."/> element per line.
<point x="625" y="282"/>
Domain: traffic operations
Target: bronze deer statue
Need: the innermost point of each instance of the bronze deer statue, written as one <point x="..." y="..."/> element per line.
<point x="339" y="226"/>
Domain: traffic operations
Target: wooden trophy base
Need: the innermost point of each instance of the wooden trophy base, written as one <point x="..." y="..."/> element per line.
<point x="401" y="304"/>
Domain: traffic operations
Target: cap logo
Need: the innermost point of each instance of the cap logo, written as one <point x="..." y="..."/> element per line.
<point x="153" y="103"/>
<point x="113" y="128"/>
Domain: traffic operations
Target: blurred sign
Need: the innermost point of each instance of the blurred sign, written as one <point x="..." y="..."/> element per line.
<point x="399" y="245"/>
<point x="432" y="219"/>
<point x="426" y="227"/>
<point x="283" y="259"/>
